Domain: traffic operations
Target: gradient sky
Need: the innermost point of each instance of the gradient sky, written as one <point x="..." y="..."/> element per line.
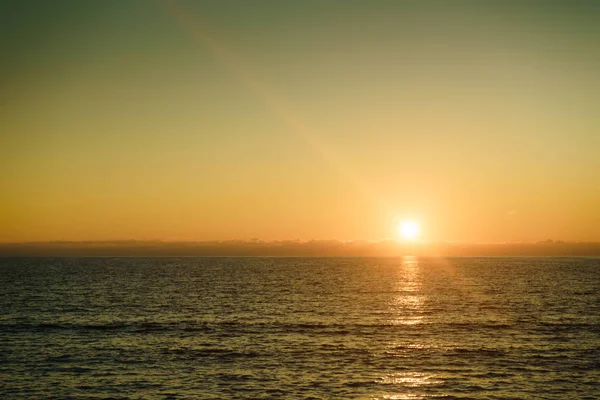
<point x="299" y="119"/>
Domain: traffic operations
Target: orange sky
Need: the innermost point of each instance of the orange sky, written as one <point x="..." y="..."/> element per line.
<point x="307" y="120"/>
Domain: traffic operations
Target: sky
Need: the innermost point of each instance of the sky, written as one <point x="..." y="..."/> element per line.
<point x="277" y="120"/>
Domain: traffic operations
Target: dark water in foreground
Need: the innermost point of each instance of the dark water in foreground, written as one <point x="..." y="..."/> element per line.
<point x="216" y="328"/>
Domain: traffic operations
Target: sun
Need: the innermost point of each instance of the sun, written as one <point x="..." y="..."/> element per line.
<point x="408" y="230"/>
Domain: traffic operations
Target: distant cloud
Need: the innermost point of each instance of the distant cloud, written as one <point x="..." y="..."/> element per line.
<point x="294" y="248"/>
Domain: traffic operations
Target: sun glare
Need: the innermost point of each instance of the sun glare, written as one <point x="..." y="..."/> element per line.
<point x="408" y="230"/>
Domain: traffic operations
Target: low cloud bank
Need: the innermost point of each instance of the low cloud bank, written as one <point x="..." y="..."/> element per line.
<point x="291" y="248"/>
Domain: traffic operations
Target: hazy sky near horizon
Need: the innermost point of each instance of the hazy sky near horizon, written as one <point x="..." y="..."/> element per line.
<point x="307" y="119"/>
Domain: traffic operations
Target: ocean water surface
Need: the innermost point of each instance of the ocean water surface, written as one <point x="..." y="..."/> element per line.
<point x="300" y="328"/>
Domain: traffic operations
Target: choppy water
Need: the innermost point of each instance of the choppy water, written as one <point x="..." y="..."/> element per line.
<point x="216" y="328"/>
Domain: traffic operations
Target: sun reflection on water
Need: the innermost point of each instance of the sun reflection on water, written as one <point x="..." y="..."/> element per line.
<point x="409" y="379"/>
<point x="407" y="305"/>
<point x="397" y="397"/>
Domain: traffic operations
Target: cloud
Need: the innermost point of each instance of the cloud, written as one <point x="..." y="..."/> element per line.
<point x="294" y="248"/>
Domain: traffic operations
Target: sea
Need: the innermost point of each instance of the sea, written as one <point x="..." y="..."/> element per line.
<point x="300" y="328"/>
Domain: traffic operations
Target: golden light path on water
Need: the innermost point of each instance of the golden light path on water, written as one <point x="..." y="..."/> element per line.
<point x="407" y="307"/>
<point x="410" y="306"/>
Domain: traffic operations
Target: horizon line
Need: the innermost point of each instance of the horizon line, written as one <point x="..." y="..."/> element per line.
<point x="266" y="241"/>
